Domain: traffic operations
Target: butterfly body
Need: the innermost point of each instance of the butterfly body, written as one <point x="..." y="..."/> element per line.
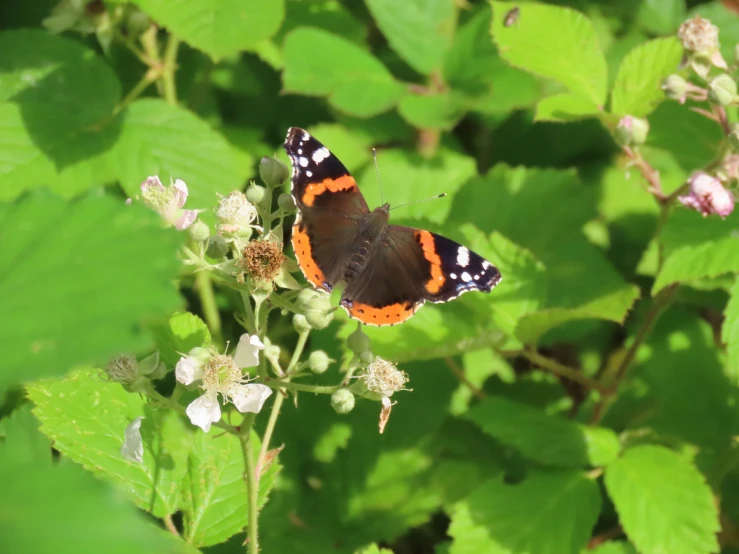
<point x="389" y="270"/>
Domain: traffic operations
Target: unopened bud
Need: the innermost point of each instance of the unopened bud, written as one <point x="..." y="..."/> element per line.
<point x="300" y="322"/>
<point x="272" y="171"/>
<point x="342" y="401"/>
<point x="675" y="87"/>
<point x="722" y="90"/>
<point x="318" y="361"/>
<point x="217" y="247"/>
<point x="358" y="342"/>
<point x="316" y="306"/>
<point x="632" y="131"/>
<point x="255" y="193"/>
<point x="286" y="203"/>
<point x="199" y="231"/>
<point x="708" y="195"/>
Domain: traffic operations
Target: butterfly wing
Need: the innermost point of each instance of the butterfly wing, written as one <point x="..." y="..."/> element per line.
<point x="330" y="208"/>
<point x="409" y="267"/>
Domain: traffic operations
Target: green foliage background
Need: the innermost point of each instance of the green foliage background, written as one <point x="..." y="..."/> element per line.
<point x="512" y="440"/>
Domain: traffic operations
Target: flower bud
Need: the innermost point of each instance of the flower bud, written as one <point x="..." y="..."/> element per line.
<point x="286" y="203"/>
<point x="199" y="231"/>
<point x="318" y="361"/>
<point x="217" y="247"/>
<point x="272" y="352"/>
<point x="272" y="171"/>
<point x="255" y="193"/>
<point x="722" y="90"/>
<point x="632" y="131"/>
<point x="342" y="401"/>
<point x="300" y="322"/>
<point x="675" y="87"/>
<point x="137" y="23"/>
<point x="358" y="342"/>
<point x="698" y="35"/>
<point x="708" y="195"/>
<point x="316" y="306"/>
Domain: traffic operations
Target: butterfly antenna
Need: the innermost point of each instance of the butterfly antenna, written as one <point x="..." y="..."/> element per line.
<point x="377" y="171"/>
<point x="442" y="195"/>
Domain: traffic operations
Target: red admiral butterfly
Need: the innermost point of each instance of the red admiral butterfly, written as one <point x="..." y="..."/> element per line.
<point x="389" y="271"/>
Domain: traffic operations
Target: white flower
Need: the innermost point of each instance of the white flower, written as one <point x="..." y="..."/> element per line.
<point x="133" y="445"/>
<point x="168" y="201"/>
<point x="221" y="374"/>
<point x="235" y="212"/>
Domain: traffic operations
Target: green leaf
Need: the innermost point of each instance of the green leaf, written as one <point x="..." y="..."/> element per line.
<point x="214" y="497"/>
<point x="565" y="107"/>
<point x="548" y="513"/>
<point x="697" y="247"/>
<point x="164" y="140"/>
<point x="420" y="31"/>
<point x="80" y="513"/>
<point x="730" y="329"/>
<point x="637" y="90"/>
<point x="86" y="418"/>
<point x="660" y="17"/>
<point x="318" y="63"/>
<point x="524" y="287"/>
<point x="407" y="177"/>
<point x="614" y="548"/>
<point x="663" y="502"/>
<point x="183" y="332"/>
<point x="558" y="43"/>
<point x="547" y="439"/>
<point x="691" y="138"/>
<point x="112" y="265"/>
<point x="54" y="92"/>
<point x="431" y="111"/>
<point x="21" y="431"/>
<point x="218" y="27"/>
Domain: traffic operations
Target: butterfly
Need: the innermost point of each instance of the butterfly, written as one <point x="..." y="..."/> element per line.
<point x="389" y="271"/>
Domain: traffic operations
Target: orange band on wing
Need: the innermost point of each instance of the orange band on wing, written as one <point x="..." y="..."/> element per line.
<point x="388" y="315"/>
<point x="437" y="279"/>
<point x="345" y="182"/>
<point x="304" y="254"/>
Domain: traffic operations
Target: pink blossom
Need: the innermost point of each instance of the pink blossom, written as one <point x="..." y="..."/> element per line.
<point x="708" y="195"/>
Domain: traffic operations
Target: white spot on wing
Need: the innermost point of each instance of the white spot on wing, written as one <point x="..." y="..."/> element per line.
<point x="321" y="154"/>
<point x="463" y="256"/>
<point x="466" y="277"/>
<point x="477" y="277"/>
<point x="485" y="265"/>
<point x="300" y="151"/>
<point x="309" y="173"/>
<point x="303" y="162"/>
<point x="306" y="135"/>
<point x="453" y="275"/>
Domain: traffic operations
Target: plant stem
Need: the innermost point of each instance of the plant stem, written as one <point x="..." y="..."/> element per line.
<point x="169" y="68"/>
<point x="650" y="174"/>
<point x="252" y="484"/>
<point x="148" y="78"/>
<point x="561" y="370"/>
<point x="317" y="389"/>
<point x="204" y="286"/>
<point x="459" y="374"/>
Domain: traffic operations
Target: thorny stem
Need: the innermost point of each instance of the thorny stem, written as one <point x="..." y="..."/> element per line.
<point x="722" y="118"/>
<point x="169" y="524"/>
<point x="648" y="172"/>
<point x="149" y="77"/>
<point x="169" y="68"/>
<point x="252" y="483"/>
<point x="660" y="303"/>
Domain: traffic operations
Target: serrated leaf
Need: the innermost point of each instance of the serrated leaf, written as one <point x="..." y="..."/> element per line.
<point x="565" y="107"/>
<point x="548" y="513"/>
<point x="80" y="513"/>
<point x="86" y="418"/>
<point x="54" y="92"/>
<point x="407" y="176"/>
<point x="420" y="31"/>
<point x="547" y="439"/>
<point x="663" y="502"/>
<point x="215" y="500"/>
<point x="637" y="90"/>
<point x="112" y="265"/>
<point x="164" y="140"/>
<point x="318" y="63"/>
<point x="218" y="27"/>
<point x="554" y="42"/>
<point x="21" y="431"/>
<point x="183" y="332"/>
<point x="730" y="330"/>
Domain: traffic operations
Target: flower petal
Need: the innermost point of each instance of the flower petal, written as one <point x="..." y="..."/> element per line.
<point x="249" y="398"/>
<point x="204" y="410"/>
<point x="185" y="219"/>
<point x="247" y="351"/>
<point x="188" y="370"/>
<point x="180" y="192"/>
<point x="133" y="446"/>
